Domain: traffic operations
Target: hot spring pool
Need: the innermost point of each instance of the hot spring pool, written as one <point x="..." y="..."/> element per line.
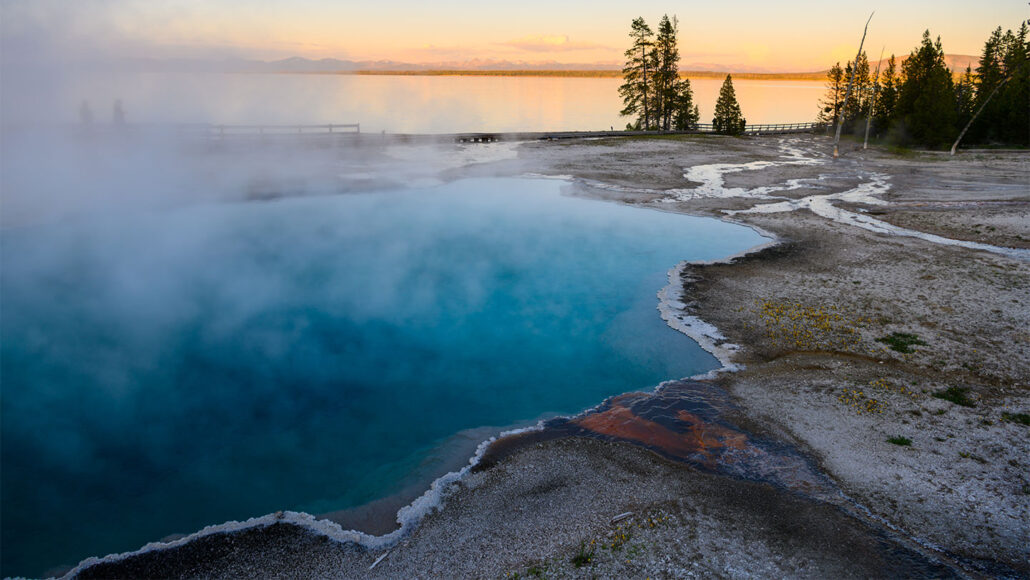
<point x="167" y="370"/>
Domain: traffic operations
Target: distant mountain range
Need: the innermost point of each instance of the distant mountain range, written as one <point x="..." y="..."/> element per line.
<point x="300" y="65"/>
<point x="333" y="65"/>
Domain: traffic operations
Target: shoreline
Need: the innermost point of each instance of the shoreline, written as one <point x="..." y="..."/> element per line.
<point x="672" y="306"/>
<point x="714" y="327"/>
<point x="408" y="518"/>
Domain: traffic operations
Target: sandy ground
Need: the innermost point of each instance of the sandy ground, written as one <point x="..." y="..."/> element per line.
<point x="808" y="315"/>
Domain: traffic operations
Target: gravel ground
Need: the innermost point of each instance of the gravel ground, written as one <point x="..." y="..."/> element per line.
<point x="536" y="511"/>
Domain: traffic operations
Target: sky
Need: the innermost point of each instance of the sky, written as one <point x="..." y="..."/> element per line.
<point x="784" y="36"/>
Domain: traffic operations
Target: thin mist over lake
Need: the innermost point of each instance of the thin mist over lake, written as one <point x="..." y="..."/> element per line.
<point x="398" y="104"/>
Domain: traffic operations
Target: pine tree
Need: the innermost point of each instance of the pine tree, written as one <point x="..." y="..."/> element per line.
<point x="1013" y="110"/>
<point x="1002" y="100"/>
<point x="1003" y="90"/>
<point x="829" y="107"/>
<point x="886" y="97"/>
<point x="858" y="107"/>
<point x="685" y="115"/>
<point x="666" y="73"/>
<point x="989" y="74"/>
<point x="926" y="98"/>
<point x="965" y="97"/>
<point x="636" y="91"/>
<point x="728" y="119"/>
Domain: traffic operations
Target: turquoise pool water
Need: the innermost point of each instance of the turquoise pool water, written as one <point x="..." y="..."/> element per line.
<point x="167" y="370"/>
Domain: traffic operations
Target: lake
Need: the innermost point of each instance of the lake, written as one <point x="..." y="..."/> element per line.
<point x="395" y="104"/>
<point x="168" y="369"/>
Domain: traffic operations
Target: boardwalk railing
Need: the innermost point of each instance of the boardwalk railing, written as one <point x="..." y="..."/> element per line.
<point x="767" y="129"/>
<point x="773" y="129"/>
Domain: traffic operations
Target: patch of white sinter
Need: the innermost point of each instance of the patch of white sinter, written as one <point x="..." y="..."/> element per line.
<point x="707" y="336"/>
<point x="713" y="186"/>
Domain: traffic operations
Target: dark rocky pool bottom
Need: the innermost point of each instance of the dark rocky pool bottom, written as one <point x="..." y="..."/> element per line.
<point x="762" y="494"/>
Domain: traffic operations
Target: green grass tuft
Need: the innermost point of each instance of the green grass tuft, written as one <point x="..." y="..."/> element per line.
<point x="899" y="440"/>
<point x="583" y="557"/>
<point x="901" y="341"/>
<point x="1021" y="418"/>
<point x="957" y="395"/>
<point x="902" y="151"/>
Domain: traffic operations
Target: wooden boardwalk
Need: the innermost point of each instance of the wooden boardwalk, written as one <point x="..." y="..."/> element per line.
<point x="774" y="129"/>
<point x="701" y="129"/>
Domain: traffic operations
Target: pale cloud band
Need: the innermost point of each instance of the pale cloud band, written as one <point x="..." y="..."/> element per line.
<point x="552" y="43"/>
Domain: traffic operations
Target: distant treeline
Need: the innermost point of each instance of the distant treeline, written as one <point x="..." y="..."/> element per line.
<point x="492" y="73"/>
<point x="925" y="104"/>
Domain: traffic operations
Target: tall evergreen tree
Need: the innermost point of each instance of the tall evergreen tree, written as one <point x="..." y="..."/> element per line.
<point x="653" y="91"/>
<point x="728" y="119"/>
<point x="1002" y="101"/>
<point x="685" y="115"/>
<point x="1013" y="111"/>
<point x="926" y="98"/>
<point x="636" y="91"/>
<point x="829" y="107"/>
<point x="965" y="97"/>
<point x="989" y="74"/>
<point x="858" y="107"/>
<point x="1003" y="90"/>
<point x="886" y="97"/>
<point x="666" y="72"/>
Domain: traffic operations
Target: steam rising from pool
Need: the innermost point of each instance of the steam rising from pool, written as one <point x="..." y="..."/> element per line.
<point x="167" y="368"/>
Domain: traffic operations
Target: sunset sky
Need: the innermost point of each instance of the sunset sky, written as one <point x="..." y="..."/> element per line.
<point x="793" y="35"/>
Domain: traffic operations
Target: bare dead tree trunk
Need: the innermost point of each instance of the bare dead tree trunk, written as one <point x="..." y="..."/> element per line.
<point x="847" y="94"/>
<point x="954" y="146"/>
<point x="869" y="117"/>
